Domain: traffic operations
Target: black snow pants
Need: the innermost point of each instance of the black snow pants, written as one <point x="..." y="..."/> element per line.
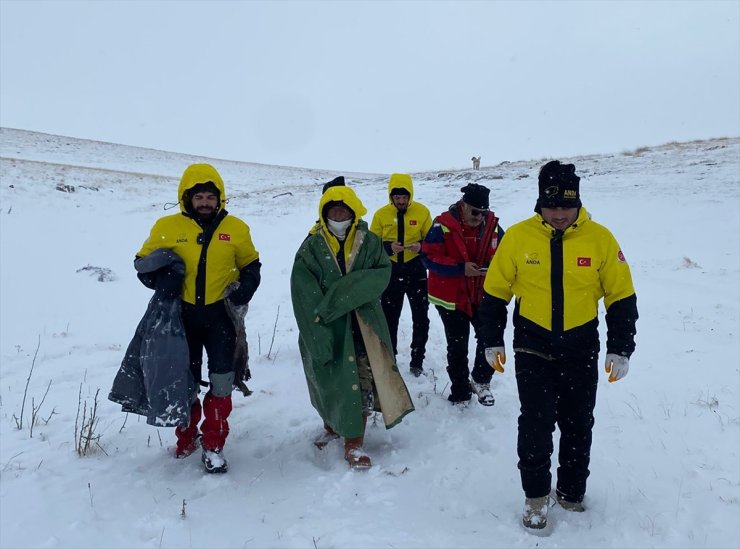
<point x="211" y="328"/>
<point x="410" y="280"/>
<point x="457" y="331"/>
<point x="562" y="392"/>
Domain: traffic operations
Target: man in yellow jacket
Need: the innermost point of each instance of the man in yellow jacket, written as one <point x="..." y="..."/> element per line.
<point x="217" y="250"/>
<point x="558" y="264"/>
<point x="402" y="225"/>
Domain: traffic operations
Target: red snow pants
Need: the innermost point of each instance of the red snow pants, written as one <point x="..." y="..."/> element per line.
<point x="215" y="426"/>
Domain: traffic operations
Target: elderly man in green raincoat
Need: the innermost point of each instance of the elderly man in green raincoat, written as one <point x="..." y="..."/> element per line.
<point x="339" y="274"/>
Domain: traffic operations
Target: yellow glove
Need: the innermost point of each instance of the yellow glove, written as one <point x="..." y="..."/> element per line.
<point x="496" y="358"/>
<point x="616" y="366"/>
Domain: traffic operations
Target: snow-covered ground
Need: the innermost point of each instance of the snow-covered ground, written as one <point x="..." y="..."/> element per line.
<point x="665" y="466"/>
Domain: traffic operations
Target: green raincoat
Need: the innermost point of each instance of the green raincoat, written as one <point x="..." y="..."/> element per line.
<point x="323" y="300"/>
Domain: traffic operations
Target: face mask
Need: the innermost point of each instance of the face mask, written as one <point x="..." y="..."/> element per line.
<point x="338" y="228"/>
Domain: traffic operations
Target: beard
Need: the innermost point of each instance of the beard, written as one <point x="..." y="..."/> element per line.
<point x="206" y="213"/>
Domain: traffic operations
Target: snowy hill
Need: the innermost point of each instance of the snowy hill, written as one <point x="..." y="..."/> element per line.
<point x="665" y="466"/>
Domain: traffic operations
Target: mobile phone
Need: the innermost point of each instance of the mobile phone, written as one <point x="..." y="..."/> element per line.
<point x="483" y="269"/>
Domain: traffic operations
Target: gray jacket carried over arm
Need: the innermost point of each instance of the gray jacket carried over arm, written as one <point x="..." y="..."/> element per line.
<point x="154" y="379"/>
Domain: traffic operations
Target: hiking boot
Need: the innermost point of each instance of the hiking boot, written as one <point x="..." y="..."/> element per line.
<point x="572" y="506"/>
<point x="326" y="436"/>
<point x="355" y="455"/>
<point x="535" y="513"/>
<point x="214" y="461"/>
<point x="483" y="391"/>
<point x="416" y="365"/>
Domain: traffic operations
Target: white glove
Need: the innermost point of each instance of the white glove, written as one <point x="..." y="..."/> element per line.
<point x="496" y="358"/>
<point x="616" y="366"/>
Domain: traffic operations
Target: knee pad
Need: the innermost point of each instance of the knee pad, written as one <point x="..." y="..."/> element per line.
<point x="221" y="384"/>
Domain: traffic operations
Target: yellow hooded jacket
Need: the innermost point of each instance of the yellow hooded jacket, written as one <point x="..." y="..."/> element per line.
<point x="416" y="221"/>
<point x="558" y="285"/>
<point x="209" y="266"/>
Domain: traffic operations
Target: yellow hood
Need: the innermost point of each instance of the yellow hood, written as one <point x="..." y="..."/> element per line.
<point x="401" y="181"/>
<point x="200" y="173"/>
<point x="348" y="196"/>
<point x="341" y="194"/>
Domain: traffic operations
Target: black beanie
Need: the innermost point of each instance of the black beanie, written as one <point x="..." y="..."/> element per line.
<point x="336" y="182"/>
<point x="476" y="195"/>
<point x="398" y="191"/>
<point x="558" y="186"/>
<point x="207" y="187"/>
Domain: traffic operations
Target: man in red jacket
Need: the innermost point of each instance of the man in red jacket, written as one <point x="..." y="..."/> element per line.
<point x="457" y="251"/>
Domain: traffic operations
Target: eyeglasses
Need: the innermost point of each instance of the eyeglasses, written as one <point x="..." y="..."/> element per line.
<point x="477" y="213"/>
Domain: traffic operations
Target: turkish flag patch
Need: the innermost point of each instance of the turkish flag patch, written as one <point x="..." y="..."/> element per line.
<point x="584" y="261"/>
<point x="412" y="221"/>
<point x="224" y="236"/>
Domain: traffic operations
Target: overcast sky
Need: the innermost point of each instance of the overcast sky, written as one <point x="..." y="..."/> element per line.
<point x="373" y="86"/>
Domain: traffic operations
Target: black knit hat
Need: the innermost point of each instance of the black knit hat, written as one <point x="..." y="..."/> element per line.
<point x="207" y="187"/>
<point x="558" y="186"/>
<point x="336" y="182"/>
<point x="476" y="195"/>
<point x="400" y="191"/>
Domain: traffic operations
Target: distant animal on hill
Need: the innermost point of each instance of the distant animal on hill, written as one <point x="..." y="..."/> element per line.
<point x="476" y="162"/>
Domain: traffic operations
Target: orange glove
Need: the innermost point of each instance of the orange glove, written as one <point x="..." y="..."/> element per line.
<point x="496" y="358"/>
<point x="616" y="366"/>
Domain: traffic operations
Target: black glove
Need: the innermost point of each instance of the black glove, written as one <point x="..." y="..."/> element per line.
<point x="249" y="280"/>
<point x="239" y="296"/>
<point x="169" y="283"/>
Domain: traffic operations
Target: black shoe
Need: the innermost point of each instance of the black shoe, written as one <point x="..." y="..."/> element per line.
<point x="214" y="461"/>
<point x="416" y="371"/>
<point x="569" y="505"/>
<point x="456" y="399"/>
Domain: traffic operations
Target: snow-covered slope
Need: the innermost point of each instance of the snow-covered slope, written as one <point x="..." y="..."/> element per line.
<point x="666" y="453"/>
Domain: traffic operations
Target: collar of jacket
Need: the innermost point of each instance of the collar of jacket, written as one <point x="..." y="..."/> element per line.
<point x="208" y="223"/>
<point x="352" y="242"/>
